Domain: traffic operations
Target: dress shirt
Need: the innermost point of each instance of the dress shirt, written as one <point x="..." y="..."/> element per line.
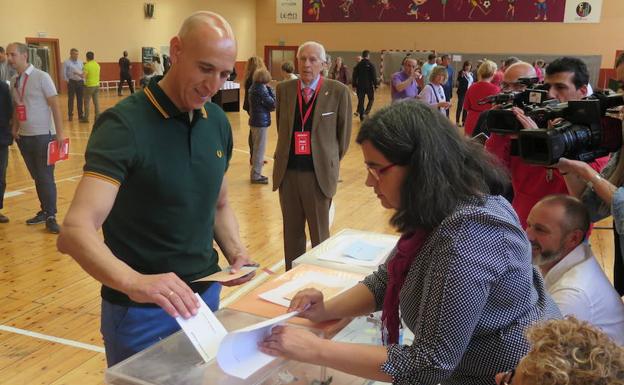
<point x="580" y="288"/>
<point x="72" y="70"/>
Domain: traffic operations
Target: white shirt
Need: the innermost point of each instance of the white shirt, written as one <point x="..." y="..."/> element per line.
<point x="38" y="113"/>
<point x="580" y="288"/>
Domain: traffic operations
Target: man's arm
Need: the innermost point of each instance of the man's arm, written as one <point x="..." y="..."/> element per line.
<point x="58" y="120"/>
<point x="93" y="201"/>
<point x="226" y="233"/>
<point x="344" y="122"/>
<point x="399" y="85"/>
<point x="65" y="70"/>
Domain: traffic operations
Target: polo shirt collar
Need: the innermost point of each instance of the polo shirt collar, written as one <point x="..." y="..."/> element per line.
<point x="163" y="103"/>
<point x="29" y="69"/>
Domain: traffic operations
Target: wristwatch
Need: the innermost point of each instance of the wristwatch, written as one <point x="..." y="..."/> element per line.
<point x="592" y="180"/>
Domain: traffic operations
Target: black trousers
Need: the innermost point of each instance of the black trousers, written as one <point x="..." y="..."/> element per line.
<point x="125" y="78"/>
<point x="371" y="97"/>
<point x="74" y="89"/>
<point x="460" y="112"/>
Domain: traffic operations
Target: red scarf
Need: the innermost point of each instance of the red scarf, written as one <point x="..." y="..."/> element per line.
<point x="407" y="248"/>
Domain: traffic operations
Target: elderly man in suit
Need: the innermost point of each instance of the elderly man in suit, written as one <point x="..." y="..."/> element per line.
<point x="314" y="128"/>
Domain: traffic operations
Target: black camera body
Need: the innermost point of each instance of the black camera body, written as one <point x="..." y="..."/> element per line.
<point x="502" y="120"/>
<point x="584" y="132"/>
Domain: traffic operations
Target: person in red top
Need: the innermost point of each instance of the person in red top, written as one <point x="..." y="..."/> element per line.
<point x="479" y="90"/>
<point x="530" y="182"/>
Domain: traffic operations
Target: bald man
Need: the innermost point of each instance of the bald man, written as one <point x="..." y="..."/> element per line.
<point x="154" y="181"/>
<point x="531" y="182"/>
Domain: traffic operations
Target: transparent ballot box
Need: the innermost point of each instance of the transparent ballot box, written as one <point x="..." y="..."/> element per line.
<point x="174" y="361"/>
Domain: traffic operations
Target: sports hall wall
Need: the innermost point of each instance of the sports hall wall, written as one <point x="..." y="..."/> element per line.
<point x="109" y="27"/>
<point x="461" y="37"/>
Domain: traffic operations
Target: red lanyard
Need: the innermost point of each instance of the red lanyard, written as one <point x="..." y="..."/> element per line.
<point x="304" y="118"/>
<point x="21" y="95"/>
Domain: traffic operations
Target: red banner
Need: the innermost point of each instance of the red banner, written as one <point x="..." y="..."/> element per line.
<point x="433" y="10"/>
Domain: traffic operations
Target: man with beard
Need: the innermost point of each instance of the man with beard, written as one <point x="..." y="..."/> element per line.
<point x="556" y="227"/>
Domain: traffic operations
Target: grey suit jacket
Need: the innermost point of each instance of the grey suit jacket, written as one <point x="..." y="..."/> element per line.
<point x="331" y="131"/>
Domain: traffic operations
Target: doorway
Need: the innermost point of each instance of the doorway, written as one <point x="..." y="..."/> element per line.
<point x="275" y="55"/>
<point x="44" y="54"/>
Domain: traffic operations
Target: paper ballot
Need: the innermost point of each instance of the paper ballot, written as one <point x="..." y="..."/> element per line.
<point x="204" y="330"/>
<point x="226" y="276"/>
<point x="239" y="355"/>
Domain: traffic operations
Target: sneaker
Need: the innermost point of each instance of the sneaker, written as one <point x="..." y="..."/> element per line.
<point x="52" y="226"/>
<point x="37" y="219"/>
<point x="84" y="120"/>
<point x="262" y="180"/>
<point x="4" y="218"/>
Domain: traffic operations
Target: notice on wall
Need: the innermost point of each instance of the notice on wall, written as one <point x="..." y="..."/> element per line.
<point x="288" y="11"/>
<point x="583" y="11"/>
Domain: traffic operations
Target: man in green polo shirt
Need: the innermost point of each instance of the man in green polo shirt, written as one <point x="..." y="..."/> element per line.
<point x="91" y="72"/>
<point x="154" y="181"/>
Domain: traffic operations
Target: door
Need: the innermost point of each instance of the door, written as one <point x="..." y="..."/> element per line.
<point x="43" y="53"/>
<point x="275" y="55"/>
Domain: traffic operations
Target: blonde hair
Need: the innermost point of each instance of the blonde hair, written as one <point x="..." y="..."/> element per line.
<point x="572" y="352"/>
<point x="486" y="70"/>
<point x="253" y="63"/>
<point x="262" y="75"/>
<point x="438" y="70"/>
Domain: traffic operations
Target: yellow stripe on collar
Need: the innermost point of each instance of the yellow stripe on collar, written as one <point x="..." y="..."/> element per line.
<point x="152" y="99"/>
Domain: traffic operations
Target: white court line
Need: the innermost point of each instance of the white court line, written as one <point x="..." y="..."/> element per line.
<point x="247" y="152"/>
<point x="58" y="340"/>
<point x="11" y="194"/>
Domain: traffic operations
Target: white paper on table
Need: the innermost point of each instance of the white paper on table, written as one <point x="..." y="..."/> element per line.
<point x="239" y="355"/>
<point x="204" y="330"/>
<point x="355" y="251"/>
<point x="279" y="294"/>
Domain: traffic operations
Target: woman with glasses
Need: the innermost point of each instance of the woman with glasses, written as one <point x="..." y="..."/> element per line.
<point x="568" y="352"/>
<point x="460" y="277"/>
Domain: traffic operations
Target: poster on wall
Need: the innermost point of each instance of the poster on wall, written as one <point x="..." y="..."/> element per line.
<point x="538" y="11"/>
<point x="583" y="11"/>
<point x="288" y="11"/>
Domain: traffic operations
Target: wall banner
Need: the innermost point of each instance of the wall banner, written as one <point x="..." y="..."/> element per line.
<point x="288" y="11"/>
<point x="583" y="11"/>
<point x="423" y="11"/>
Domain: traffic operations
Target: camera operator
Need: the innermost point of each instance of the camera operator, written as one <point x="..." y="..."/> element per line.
<point x="602" y="193"/>
<point x="568" y="79"/>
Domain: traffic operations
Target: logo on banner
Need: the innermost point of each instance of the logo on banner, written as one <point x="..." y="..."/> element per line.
<point x="587" y="11"/>
<point x="288" y="11"/>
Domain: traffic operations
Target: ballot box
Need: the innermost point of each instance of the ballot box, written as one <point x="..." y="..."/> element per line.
<point x="174" y="361"/>
<point x="351" y="250"/>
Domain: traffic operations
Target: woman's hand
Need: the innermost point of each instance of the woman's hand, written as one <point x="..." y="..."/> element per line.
<point x="443" y="105"/>
<point x="576" y="167"/>
<point x="292" y="343"/>
<point x="309" y="303"/>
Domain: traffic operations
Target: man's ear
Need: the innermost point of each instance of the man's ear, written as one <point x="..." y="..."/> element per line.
<point x="175" y="49"/>
<point x="575" y="238"/>
<point x="583" y="90"/>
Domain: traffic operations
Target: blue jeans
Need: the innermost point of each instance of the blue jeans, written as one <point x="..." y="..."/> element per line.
<point x="128" y="330"/>
<point x="34" y="150"/>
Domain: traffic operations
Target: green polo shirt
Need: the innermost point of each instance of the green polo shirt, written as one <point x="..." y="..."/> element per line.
<point x="169" y="172"/>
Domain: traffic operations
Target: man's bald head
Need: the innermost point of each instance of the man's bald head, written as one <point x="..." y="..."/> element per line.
<point x="208" y="24"/>
<point x="517" y="71"/>
<point x="202" y="54"/>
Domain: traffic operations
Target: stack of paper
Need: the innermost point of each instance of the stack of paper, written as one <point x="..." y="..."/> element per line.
<point x="329" y="285"/>
<point x="355" y="251"/>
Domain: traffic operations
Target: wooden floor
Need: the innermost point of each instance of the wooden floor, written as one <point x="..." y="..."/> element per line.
<point x="42" y="291"/>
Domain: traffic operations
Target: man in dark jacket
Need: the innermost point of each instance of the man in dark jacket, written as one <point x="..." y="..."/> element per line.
<point x="364" y="82"/>
<point x="6" y="139"/>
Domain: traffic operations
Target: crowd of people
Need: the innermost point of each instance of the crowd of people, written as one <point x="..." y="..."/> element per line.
<point x="493" y="272"/>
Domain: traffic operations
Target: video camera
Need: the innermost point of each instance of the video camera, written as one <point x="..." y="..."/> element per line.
<point x="502" y="120"/>
<point x="586" y="130"/>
